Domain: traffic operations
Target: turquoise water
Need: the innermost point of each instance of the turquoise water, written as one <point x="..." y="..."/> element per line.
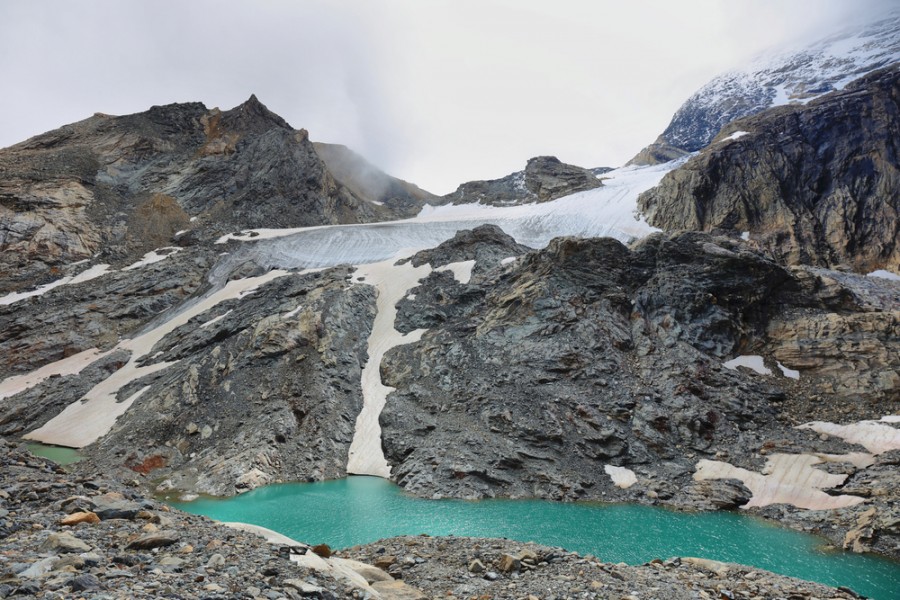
<point x="360" y="510"/>
<point x="58" y="454"/>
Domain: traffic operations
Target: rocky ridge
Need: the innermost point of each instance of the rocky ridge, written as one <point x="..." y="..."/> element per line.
<point x="117" y="187"/>
<point x="792" y="76"/>
<point x="545" y="178"/>
<point x="815" y="184"/>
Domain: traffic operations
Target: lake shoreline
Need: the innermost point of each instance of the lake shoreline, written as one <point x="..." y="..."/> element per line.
<point x="201" y="558"/>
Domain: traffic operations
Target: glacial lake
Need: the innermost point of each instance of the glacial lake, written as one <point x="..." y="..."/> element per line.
<point x="58" y="454"/>
<point x="359" y="510"/>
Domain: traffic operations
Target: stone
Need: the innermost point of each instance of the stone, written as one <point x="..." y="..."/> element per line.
<point x="156" y="539"/>
<point x="115" y="506"/>
<point x="476" y="566"/>
<point x="64" y="542"/>
<point x="85" y="583"/>
<point x="305" y="588"/>
<point x="70" y="561"/>
<point x="384" y="561"/>
<point x="215" y="561"/>
<point x="38" y="568"/>
<point x="80" y="517"/>
<point x="397" y="590"/>
<point x="508" y="563"/>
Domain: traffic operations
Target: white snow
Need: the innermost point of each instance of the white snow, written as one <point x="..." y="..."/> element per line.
<point x="621" y="477"/>
<point x="882" y="274"/>
<point x="292" y="313"/>
<point x="605" y="211"/>
<point x="192" y="219"/>
<point x="791" y="373"/>
<point x="786" y="479"/>
<point x="392" y="283"/>
<point x="216" y="319"/>
<point x="876" y="437"/>
<point x="86" y="420"/>
<point x="71" y="365"/>
<point x="791" y="478"/>
<point x="87" y="275"/>
<point x="736" y="135"/>
<point x="799" y="74"/>
<point x="745" y="236"/>
<point x="508" y="260"/>
<point x="180" y="232"/>
<point x="462" y="271"/>
<point x="751" y="361"/>
<point x="153" y="256"/>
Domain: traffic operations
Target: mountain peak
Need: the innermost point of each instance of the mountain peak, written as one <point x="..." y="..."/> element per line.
<point x="253" y="115"/>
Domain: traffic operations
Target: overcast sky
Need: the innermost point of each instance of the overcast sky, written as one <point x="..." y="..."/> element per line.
<point x="437" y="92"/>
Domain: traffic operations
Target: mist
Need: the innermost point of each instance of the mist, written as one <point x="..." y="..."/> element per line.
<point x="437" y="92"/>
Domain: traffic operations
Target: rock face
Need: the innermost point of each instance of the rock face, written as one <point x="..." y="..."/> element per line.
<point x="816" y="184"/>
<point x="537" y="373"/>
<point x="792" y="76"/>
<point x="544" y="178"/>
<point x="122" y="186"/>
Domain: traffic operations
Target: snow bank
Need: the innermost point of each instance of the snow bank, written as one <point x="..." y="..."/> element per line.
<point x="392" y="282"/>
<point x="154" y="256"/>
<point x="751" y="361"/>
<point x="87" y="275"/>
<point x="605" y="211"/>
<point x="86" y="420"/>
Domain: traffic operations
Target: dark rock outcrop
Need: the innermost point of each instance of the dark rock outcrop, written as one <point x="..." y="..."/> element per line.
<point x="816" y="184"/>
<point x="544" y="178"/>
<point x="535" y="376"/>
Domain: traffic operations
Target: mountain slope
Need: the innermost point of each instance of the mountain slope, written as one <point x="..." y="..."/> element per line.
<point x="369" y="183"/>
<point x="795" y="75"/>
<point x="814" y="184"/>
<point x="123" y="186"/>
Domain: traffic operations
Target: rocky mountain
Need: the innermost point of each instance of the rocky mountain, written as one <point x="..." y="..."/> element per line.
<point x="692" y="368"/>
<point x="544" y="178"/>
<point x="812" y="184"/>
<point x="118" y="187"/>
<point x="791" y="76"/>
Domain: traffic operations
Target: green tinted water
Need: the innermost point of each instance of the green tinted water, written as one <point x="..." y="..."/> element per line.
<point x="58" y="454"/>
<point x="359" y="510"/>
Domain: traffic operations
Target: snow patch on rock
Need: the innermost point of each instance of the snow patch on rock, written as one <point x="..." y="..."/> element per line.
<point x="392" y="282"/>
<point x="86" y="420"/>
<point x="621" y="477"/>
<point x="86" y="275"/>
<point x="751" y="361"/>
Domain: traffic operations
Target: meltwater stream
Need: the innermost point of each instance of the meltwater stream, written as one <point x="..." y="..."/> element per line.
<point x="360" y="510"/>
